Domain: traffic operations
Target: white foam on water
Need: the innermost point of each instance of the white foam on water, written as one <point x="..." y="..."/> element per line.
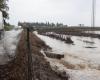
<point x="93" y="32"/>
<point x="84" y="62"/>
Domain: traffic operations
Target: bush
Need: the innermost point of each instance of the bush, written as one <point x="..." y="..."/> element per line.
<point x="8" y="27"/>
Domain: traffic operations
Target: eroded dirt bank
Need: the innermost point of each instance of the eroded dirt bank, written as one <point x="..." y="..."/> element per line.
<point x="17" y="69"/>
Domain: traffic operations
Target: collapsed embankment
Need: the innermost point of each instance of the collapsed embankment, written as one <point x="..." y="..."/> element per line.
<point x="74" y="32"/>
<point x="17" y="69"/>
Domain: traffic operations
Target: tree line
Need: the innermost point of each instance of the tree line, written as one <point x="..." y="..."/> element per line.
<point x="41" y="24"/>
<point x="4" y="9"/>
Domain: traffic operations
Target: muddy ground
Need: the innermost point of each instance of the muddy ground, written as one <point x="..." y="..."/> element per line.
<point x="17" y="68"/>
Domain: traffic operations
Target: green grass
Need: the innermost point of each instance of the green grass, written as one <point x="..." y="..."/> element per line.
<point x="8" y="28"/>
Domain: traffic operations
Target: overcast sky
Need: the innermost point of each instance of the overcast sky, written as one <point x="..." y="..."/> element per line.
<point x="70" y="12"/>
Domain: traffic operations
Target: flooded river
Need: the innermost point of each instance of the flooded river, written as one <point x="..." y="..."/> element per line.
<point x="93" y="32"/>
<point x="83" y="56"/>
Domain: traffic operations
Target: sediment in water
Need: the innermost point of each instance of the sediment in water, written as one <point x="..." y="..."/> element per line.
<point x="17" y="69"/>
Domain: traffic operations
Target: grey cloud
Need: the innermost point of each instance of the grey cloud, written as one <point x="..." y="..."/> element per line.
<point x="71" y="12"/>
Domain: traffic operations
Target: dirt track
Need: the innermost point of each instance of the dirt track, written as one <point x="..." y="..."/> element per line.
<point x="17" y="68"/>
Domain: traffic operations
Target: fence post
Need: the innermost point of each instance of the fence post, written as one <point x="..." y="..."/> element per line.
<point x="29" y="56"/>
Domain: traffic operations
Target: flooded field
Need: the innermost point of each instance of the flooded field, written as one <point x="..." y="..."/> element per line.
<point x="8" y="45"/>
<point x="82" y="58"/>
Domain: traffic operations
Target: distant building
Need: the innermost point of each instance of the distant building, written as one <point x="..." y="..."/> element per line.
<point x="81" y="25"/>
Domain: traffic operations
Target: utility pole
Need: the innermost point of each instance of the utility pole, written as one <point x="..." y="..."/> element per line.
<point x="93" y="13"/>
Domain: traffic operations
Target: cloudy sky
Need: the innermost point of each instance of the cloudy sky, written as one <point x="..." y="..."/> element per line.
<point x="70" y="12"/>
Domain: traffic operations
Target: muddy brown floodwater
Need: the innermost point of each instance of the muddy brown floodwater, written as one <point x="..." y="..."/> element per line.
<point x="79" y="62"/>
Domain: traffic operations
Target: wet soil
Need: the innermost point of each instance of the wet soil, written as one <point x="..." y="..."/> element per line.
<point x="17" y="68"/>
<point x="53" y="55"/>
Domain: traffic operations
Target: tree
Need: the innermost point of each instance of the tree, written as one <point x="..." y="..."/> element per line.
<point x="4" y="9"/>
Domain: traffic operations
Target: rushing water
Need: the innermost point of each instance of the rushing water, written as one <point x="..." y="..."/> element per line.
<point x="83" y="58"/>
<point x="94" y="32"/>
<point x="84" y="49"/>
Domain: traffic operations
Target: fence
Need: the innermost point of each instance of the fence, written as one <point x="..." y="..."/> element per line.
<point x="29" y="55"/>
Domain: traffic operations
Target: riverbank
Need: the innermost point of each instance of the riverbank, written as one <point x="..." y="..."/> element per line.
<point x="17" y="68"/>
<point x="79" y="62"/>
